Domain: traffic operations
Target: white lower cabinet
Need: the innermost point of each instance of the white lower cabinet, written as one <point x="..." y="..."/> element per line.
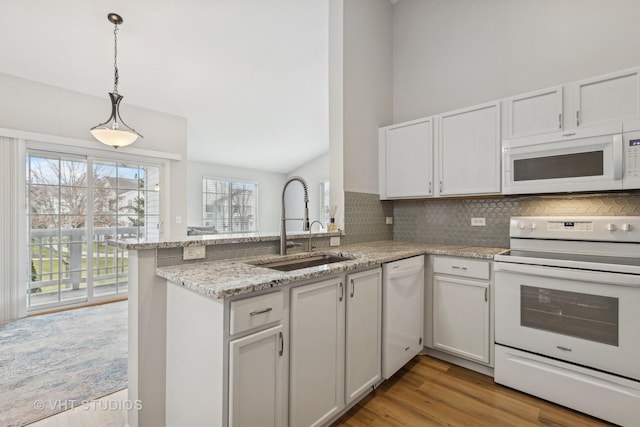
<point x="363" y="367"/>
<point x="257" y="380"/>
<point x="317" y="352"/>
<point x="297" y="356"/>
<point x="335" y="345"/>
<point x="461" y="308"/>
<point x="227" y="360"/>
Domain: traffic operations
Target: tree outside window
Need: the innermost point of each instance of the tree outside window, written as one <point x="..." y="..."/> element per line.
<point x="229" y="206"/>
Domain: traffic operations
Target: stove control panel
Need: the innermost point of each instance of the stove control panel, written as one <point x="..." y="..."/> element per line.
<point x="570" y="225"/>
<point x="594" y="228"/>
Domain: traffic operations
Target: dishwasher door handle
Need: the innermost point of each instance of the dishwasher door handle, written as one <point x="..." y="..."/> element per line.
<point x="394" y="274"/>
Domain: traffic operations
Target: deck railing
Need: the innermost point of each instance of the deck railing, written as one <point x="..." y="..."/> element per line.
<point x="52" y="247"/>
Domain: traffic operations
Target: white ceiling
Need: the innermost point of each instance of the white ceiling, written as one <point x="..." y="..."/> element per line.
<point x="250" y="76"/>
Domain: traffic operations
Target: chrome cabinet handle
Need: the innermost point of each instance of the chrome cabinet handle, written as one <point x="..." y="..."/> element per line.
<point x="429" y="186"/>
<point x="486" y="290"/>
<point x="566" y="135"/>
<point x="560" y="121"/>
<point x="457" y="267"/>
<point x="578" y="118"/>
<point x="341" y="291"/>
<point x="281" y="352"/>
<point x="353" y="288"/>
<point x="441" y="186"/>
<point x="266" y="310"/>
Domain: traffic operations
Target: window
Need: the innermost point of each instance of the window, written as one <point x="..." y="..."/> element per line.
<point x="75" y="205"/>
<point x="325" y="208"/>
<point x="229" y="206"/>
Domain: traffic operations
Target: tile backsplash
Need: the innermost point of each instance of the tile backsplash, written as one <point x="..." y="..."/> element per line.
<point x="449" y="220"/>
<point x="446" y="221"/>
<point x="364" y="218"/>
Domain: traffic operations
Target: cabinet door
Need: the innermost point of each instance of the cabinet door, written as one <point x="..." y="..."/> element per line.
<point x="534" y="113"/>
<point x="607" y="98"/>
<point x="363" y="332"/>
<point x="257" y="394"/>
<point x="317" y="352"/>
<point x="469" y="151"/>
<point x="461" y="317"/>
<point x="409" y="159"/>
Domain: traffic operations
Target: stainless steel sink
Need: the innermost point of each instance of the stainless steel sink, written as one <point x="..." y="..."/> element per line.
<point x="299" y="263"/>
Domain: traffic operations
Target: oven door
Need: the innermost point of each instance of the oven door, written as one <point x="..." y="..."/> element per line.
<point x="580" y="160"/>
<point x="586" y="317"/>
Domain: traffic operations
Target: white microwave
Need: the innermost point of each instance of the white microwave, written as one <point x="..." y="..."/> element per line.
<point x="590" y="159"/>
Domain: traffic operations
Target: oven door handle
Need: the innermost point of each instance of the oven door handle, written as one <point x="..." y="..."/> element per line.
<point x="608" y="278"/>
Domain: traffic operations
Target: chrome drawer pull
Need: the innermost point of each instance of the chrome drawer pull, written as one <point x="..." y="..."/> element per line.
<point x="456" y="267"/>
<point x="266" y="310"/>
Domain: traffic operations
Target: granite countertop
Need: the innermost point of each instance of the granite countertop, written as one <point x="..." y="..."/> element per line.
<point x="215" y="239"/>
<point x="222" y="279"/>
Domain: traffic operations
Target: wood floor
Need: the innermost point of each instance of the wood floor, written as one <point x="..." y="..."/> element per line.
<point x="426" y="392"/>
<point x="430" y="392"/>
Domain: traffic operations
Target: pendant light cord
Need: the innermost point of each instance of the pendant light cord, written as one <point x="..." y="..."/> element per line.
<point x="116" y="76"/>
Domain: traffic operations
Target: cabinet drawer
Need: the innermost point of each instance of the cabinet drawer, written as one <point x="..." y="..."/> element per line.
<point x="257" y="311"/>
<point x="461" y="267"/>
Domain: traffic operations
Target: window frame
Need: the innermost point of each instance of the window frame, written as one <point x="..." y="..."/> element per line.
<point x="229" y="214"/>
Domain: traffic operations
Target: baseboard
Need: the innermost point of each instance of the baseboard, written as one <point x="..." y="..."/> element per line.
<point x="468" y="364"/>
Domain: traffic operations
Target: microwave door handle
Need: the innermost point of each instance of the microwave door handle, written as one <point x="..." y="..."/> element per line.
<point x="617" y="156"/>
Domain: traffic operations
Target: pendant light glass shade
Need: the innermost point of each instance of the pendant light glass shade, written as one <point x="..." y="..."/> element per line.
<point x="115" y="132"/>
<point x="114" y="138"/>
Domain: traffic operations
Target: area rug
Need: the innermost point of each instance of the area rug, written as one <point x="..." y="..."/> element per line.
<point x="53" y="362"/>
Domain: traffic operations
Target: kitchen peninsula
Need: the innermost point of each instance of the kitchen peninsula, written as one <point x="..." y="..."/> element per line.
<point x="216" y="282"/>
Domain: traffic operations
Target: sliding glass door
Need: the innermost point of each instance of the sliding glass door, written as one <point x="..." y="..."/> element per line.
<point x="75" y="205"/>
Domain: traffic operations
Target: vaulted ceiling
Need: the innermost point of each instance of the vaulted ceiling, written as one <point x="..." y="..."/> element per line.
<point x="250" y="76"/>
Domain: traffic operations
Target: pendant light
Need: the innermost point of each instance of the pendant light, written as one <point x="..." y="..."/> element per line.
<point x="115" y="132"/>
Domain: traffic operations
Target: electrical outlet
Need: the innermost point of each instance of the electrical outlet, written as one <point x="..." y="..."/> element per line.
<point x="178" y="219"/>
<point x="389" y="220"/>
<point x="334" y="241"/>
<point x="478" y="222"/>
<point x="193" y="252"/>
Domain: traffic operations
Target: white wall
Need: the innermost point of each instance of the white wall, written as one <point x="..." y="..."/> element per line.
<point x="313" y="172"/>
<point x="34" y="107"/>
<point x="336" y="109"/>
<point x="269" y="191"/>
<point x="367" y="88"/>
<point x="451" y="54"/>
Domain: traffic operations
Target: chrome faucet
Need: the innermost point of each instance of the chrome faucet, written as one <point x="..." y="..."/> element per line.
<point x="310" y="227"/>
<point x="284" y="219"/>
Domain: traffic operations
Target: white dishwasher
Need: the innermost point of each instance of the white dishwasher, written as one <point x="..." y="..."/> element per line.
<point x="402" y="312"/>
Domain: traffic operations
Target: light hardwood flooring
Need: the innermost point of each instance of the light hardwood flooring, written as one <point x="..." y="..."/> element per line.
<point x="426" y="392"/>
<point x="430" y="392"/>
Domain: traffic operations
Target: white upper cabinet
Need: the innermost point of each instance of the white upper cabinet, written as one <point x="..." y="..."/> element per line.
<point x="458" y="153"/>
<point x="406" y="159"/>
<point x="469" y="151"/>
<point x="606" y="98"/>
<point x="590" y="102"/>
<point x="534" y="113"/>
